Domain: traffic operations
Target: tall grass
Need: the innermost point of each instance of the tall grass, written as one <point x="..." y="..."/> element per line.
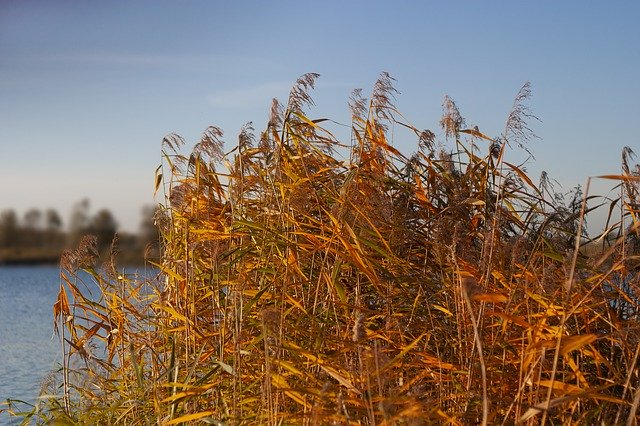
<point x="296" y="288"/>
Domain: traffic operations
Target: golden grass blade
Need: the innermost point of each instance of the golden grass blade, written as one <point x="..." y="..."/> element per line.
<point x="340" y="376"/>
<point x="522" y="175"/>
<point x="191" y="417"/>
<point x="281" y="383"/>
<point x="626" y="178"/>
<point x="158" y="180"/>
<point x="137" y="368"/>
<point x="405" y="350"/>
<point x="443" y="310"/>
<point x="572" y="343"/>
<point x="476" y="133"/>
<point x="560" y="386"/>
<point x="511" y="318"/>
<point x="490" y="297"/>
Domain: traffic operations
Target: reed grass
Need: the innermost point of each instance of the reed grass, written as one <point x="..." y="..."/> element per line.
<point x="297" y="288"/>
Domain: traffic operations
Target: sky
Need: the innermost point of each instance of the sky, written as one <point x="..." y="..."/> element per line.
<point x="89" y="89"/>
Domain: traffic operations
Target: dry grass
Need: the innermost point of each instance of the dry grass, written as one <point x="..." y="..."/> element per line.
<point x="444" y="287"/>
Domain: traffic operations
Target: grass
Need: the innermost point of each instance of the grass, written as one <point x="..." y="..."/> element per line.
<point x="297" y="288"/>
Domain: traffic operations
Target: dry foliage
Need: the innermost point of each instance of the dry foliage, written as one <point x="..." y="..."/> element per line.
<point x="445" y="287"/>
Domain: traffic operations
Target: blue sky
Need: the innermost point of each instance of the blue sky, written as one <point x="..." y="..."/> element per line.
<point x="88" y="89"/>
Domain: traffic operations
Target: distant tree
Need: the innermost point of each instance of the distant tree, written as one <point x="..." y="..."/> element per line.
<point x="104" y="226"/>
<point x="31" y="232"/>
<point x="9" y="229"/>
<point x="53" y="220"/>
<point x="33" y="219"/>
<point x="53" y="228"/>
<point x="79" y="221"/>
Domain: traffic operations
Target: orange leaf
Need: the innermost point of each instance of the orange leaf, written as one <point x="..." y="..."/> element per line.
<point x="620" y="177"/>
<point x="571" y="343"/>
<point x="60" y="307"/>
<point x="522" y="175"/>
<point x="477" y="133"/>
<point x="189" y="417"/>
<point x="561" y="386"/>
<point x="491" y="297"/>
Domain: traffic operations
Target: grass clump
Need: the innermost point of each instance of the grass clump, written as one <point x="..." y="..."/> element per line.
<point x="297" y="288"/>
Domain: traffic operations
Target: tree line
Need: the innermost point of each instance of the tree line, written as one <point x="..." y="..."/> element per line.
<point x="40" y="236"/>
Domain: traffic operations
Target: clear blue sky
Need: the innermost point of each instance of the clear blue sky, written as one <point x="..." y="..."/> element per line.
<point x="88" y="89"/>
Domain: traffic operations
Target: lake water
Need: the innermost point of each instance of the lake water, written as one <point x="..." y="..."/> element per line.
<point x="28" y="349"/>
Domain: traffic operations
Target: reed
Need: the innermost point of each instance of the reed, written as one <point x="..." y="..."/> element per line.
<point x="297" y="288"/>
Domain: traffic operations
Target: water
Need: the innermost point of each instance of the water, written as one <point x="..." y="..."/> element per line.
<point x="28" y="350"/>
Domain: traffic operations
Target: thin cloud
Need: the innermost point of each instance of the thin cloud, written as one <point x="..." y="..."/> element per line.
<point x="197" y="62"/>
<point x="133" y="59"/>
<point x="259" y="95"/>
<point x="108" y="58"/>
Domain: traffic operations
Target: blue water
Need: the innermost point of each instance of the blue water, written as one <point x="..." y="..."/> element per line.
<point x="28" y="349"/>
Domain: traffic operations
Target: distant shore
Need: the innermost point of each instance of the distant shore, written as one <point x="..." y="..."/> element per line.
<point x="29" y="256"/>
<point x="37" y="256"/>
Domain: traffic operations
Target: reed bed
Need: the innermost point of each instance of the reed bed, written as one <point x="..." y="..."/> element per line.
<point x="444" y="287"/>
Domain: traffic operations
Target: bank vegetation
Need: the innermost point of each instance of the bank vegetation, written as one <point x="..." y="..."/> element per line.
<point x="310" y="280"/>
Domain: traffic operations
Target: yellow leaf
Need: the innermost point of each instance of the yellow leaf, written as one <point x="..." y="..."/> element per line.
<point x="180" y="395"/>
<point x="402" y="353"/>
<point x="290" y="367"/>
<point x="522" y="175"/>
<point x="311" y="123"/>
<point x="477" y="133"/>
<point x="174" y="313"/>
<point x="61" y="307"/>
<point x="340" y="378"/>
<point x="281" y="383"/>
<point x="333" y="372"/>
<point x="419" y="190"/>
<point x="561" y="386"/>
<point x="620" y="177"/>
<point x="571" y="343"/>
<point x="443" y="310"/>
<point x="576" y="370"/>
<point x="544" y="406"/>
<point x="158" y="179"/>
<point x="491" y="297"/>
<point x="189" y="417"/>
<point x="474" y="202"/>
<point x="511" y="318"/>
